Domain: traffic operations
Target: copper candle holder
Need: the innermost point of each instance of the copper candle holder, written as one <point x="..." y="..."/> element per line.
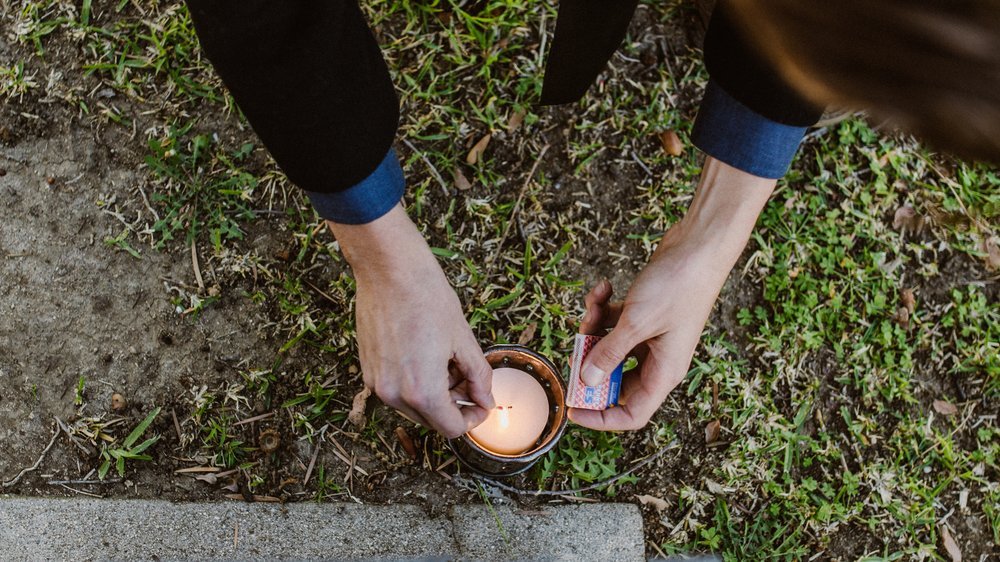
<point x="489" y="463"/>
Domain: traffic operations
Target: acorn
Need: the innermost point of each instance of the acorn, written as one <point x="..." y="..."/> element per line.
<point x="269" y="441"/>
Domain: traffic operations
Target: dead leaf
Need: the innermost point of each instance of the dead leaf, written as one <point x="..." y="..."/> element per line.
<point x="527" y="334"/>
<point x="908" y="300"/>
<point x="477" y="150"/>
<point x="210" y="478"/>
<point x="906" y="218"/>
<point x="712" y="430"/>
<point x="902" y="317"/>
<point x="950" y="545"/>
<point x="992" y="251"/>
<point x="461" y="182"/>
<point x="714" y="487"/>
<point x="672" y="144"/>
<point x="357" y="414"/>
<point x="659" y="503"/>
<point x="945" y="408"/>
<point x="407" y="442"/>
<point x="516" y="118"/>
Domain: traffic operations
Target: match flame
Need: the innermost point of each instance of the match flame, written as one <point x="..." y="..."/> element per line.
<point x="504" y="418"/>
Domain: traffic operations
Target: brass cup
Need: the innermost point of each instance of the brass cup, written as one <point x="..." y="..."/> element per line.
<point x="486" y="462"/>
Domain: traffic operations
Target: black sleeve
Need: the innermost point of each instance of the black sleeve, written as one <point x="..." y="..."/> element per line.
<point x="310" y="78"/>
<point x="737" y="66"/>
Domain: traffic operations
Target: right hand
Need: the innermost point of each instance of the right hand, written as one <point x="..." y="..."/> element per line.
<point x="417" y="350"/>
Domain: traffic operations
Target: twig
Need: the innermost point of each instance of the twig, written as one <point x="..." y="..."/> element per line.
<point x="434" y="172"/>
<point x="33" y="467"/>
<point x="197" y="270"/>
<point x="255" y="418"/>
<point x="517" y="205"/>
<point x="81" y="492"/>
<point x="312" y="461"/>
<point x="83" y="482"/>
<point x="595" y="485"/>
<point x="177" y="427"/>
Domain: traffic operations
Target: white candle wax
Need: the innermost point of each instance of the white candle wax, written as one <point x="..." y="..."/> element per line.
<point x="522" y="409"/>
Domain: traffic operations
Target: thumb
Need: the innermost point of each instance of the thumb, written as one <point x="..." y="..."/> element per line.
<point x="606" y="355"/>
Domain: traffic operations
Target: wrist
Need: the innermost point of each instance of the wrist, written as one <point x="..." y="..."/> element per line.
<point x="388" y="247"/>
<point x="722" y="213"/>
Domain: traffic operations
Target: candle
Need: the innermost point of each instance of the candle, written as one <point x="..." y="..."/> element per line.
<point x="518" y="420"/>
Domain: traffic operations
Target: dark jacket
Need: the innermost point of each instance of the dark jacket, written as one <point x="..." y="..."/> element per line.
<point x="311" y="80"/>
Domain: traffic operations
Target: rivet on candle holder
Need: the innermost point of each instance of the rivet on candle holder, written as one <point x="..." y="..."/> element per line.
<point x="478" y="456"/>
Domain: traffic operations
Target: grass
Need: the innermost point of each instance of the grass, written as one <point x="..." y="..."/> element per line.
<point x="831" y="442"/>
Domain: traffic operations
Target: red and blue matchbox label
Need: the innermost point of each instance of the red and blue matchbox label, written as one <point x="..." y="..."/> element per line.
<point x="580" y="395"/>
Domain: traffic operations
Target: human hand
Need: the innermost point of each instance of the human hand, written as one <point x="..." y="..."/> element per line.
<point x="662" y="317"/>
<point x="417" y="350"/>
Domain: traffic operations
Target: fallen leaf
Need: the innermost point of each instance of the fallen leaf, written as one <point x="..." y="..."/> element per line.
<point x="712" y="430"/>
<point x="516" y="118"/>
<point x="902" y="317"/>
<point x="672" y="144"/>
<point x="906" y="218"/>
<point x="908" y="300"/>
<point x="357" y="414"/>
<point x="477" y="150"/>
<point x="527" y="334"/>
<point x="945" y="408"/>
<point x="950" y="545"/>
<point x="210" y="478"/>
<point x="461" y="182"/>
<point x="407" y="442"/>
<point x="659" y="503"/>
<point x="714" y="487"/>
<point x="992" y="251"/>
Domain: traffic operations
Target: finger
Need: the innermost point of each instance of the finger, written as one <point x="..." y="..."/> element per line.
<point x="478" y="374"/>
<point x="595" y="302"/>
<point x="447" y="417"/>
<point x="643" y="392"/>
<point x="608" y="353"/>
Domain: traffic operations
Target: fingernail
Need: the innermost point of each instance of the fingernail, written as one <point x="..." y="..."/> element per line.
<point x="592" y="376"/>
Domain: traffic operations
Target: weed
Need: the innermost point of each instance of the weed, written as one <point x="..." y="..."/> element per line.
<point x="129" y="449"/>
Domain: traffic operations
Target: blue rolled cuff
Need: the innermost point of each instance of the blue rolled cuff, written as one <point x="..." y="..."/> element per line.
<point x="366" y="200"/>
<point x="735" y="134"/>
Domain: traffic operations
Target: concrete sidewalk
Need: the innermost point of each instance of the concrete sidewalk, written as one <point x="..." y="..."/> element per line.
<point x="84" y="529"/>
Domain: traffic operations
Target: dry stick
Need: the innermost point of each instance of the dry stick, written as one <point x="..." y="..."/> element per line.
<point x="517" y="206"/>
<point x="434" y="172"/>
<point x="84" y="482"/>
<point x="593" y="486"/>
<point x="37" y="463"/>
<point x="255" y="418"/>
<point x="312" y="461"/>
<point x="197" y="270"/>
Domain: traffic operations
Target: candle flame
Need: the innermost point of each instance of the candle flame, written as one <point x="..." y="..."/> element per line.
<point x="503" y="420"/>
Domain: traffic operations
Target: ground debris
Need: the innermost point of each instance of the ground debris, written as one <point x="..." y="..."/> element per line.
<point x="945" y="408"/>
<point x="712" y="430"/>
<point x="357" y="414"/>
<point x="659" y="503"/>
<point x="671" y="143"/>
<point x="476" y="153"/>
<point x="407" y="442"/>
<point x="950" y="546"/>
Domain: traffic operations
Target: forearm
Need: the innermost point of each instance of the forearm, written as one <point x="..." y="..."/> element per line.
<point x="722" y="214"/>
